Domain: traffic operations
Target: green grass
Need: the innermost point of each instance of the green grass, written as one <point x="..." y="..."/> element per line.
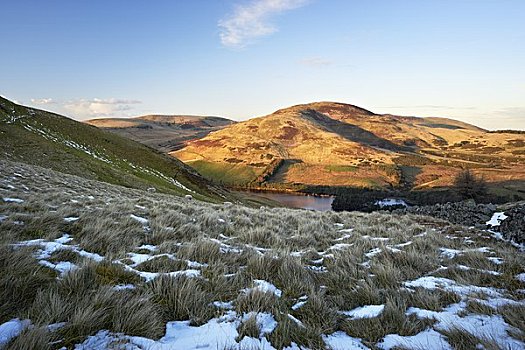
<point x="226" y="173"/>
<point x="45" y="139"/>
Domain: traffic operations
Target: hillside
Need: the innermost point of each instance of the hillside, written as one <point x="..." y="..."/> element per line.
<point x="41" y="138"/>
<point x="117" y="268"/>
<point x="339" y="144"/>
<point x="163" y="132"/>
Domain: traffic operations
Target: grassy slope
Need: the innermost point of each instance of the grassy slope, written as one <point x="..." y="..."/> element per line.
<point x="323" y="263"/>
<point x="50" y="140"/>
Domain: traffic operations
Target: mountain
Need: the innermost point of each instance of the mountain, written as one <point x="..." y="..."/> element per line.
<point x="338" y="144"/>
<point x="49" y="140"/>
<point x="164" y="132"/>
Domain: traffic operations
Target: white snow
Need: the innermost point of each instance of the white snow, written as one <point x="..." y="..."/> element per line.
<point x="149" y="247"/>
<point x="483" y="326"/>
<point x="521" y="277"/>
<point x="429" y="339"/>
<point x="342" y="341"/>
<point x="368" y="311"/>
<point x="431" y="282"/>
<point x="494" y="260"/>
<point x="124" y="287"/>
<point x="373" y="253"/>
<point x="496" y="219"/>
<point x="142" y="220"/>
<point x="390" y="202"/>
<point x="3" y="217"/>
<point x="298" y="305"/>
<point x="264" y="286"/>
<point x="13" y="200"/>
<point x="63" y="266"/>
<point x="12" y="329"/>
<point x="71" y="219"/>
<point x="223" y="305"/>
<point x="265" y="321"/>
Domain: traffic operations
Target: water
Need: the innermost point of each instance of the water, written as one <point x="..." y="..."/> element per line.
<point x="299" y="201"/>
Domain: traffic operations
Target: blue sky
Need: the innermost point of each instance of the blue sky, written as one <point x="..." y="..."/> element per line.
<point x="243" y="58"/>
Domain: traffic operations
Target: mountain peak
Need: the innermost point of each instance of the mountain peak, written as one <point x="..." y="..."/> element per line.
<point x="335" y="110"/>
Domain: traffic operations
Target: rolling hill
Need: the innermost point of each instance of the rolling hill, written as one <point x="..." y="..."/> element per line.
<point x="338" y="144"/>
<point x="49" y="140"/>
<point x="166" y="133"/>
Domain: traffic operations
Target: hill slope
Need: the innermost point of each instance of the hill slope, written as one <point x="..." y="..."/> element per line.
<point x="164" y="132"/>
<point x="329" y="143"/>
<point x="41" y="138"/>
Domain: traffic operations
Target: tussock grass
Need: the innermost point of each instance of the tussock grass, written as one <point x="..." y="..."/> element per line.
<point x="392" y="320"/>
<point x="435" y="300"/>
<point x="460" y="339"/>
<point x="476" y="307"/>
<point x="256" y="300"/>
<point x="514" y="315"/>
<point x="162" y="264"/>
<point x="300" y="252"/>
<point x="21" y="278"/>
<point x="181" y="298"/>
<point x="248" y="328"/>
<point x="32" y="338"/>
<point x="318" y="315"/>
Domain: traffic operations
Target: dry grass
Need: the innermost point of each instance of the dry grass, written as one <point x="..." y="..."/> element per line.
<point x="302" y="253"/>
<point x="181" y="298"/>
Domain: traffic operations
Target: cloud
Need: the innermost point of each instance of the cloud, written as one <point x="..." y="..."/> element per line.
<point x="253" y="20"/>
<point x="316" y="62"/>
<point x="99" y="108"/>
<point x="43" y="101"/>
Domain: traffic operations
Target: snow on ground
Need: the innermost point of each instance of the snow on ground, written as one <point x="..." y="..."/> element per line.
<point x="49" y="247"/>
<point x="12" y="329"/>
<point x="367" y="311"/>
<point x="142" y="220"/>
<point x="452" y="253"/>
<point x="496" y="219"/>
<point x="432" y="282"/>
<point x="13" y="200"/>
<point x="390" y="202"/>
<point x="218" y="333"/>
<point x="264" y="286"/>
<point x="521" y="277"/>
<point x="482" y="326"/>
<point x="429" y="339"/>
<point x="373" y="253"/>
<point x="342" y="341"/>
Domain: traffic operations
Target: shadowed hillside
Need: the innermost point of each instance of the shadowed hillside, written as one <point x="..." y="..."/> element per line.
<point x="164" y="132"/>
<point x="41" y="138"/>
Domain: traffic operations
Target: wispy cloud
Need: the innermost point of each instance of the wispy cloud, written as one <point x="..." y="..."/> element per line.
<point x="316" y="62"/>
<point x="252" y="20"/>
<point x="43" y="101"/>
<point x="98" y="108"/>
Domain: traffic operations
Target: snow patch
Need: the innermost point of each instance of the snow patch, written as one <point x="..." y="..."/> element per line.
<point x="13" y="200"/>
<point x="496" y="219"/>
<point x="12" y="329"/>
<point x="368" y="311"/>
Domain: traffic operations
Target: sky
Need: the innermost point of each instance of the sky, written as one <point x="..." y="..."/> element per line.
<point x="463" y="59"/>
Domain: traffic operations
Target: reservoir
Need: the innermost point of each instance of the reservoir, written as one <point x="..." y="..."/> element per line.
<point x="298" y="200"/>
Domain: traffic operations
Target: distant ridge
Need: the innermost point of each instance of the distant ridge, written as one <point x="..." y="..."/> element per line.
<point x="166" y="133"/>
